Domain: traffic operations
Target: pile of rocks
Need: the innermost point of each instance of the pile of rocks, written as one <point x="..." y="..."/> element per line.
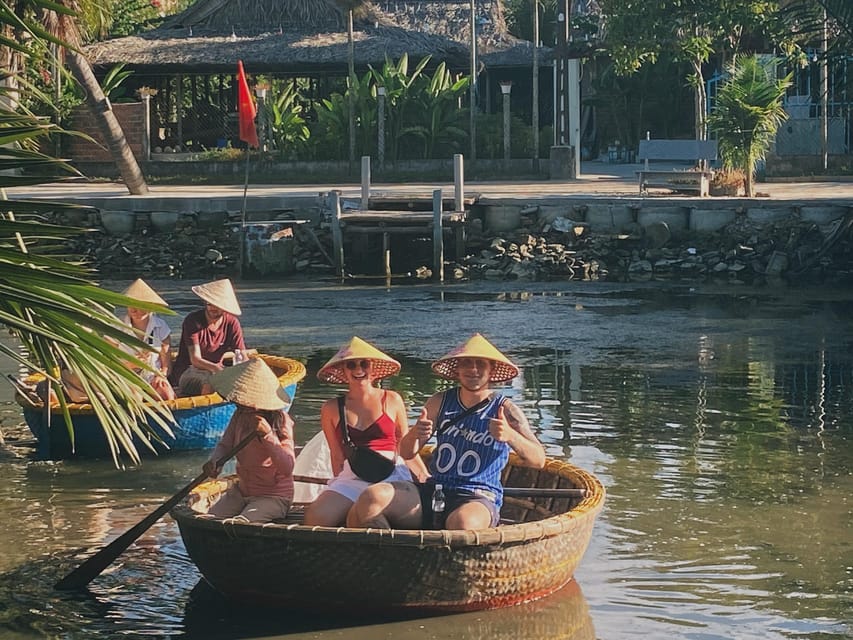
<point x="743" y="251"/>
<point x="187" y="250"/>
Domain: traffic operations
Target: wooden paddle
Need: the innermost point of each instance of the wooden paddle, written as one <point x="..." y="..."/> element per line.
<point x="515" y="492"/>
<point x="29" y="396"/>
<point x="92" y="568"/>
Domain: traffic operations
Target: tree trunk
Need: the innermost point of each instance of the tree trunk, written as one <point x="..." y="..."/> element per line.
<point x="699" y="98"/>
<point x="107" y="123"/>
<point x="749" y="177"/>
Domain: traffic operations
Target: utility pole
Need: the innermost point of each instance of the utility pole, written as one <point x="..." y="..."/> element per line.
<point x="824" y="96"/>
<point x="535" y="105"/>
<point x="472" y="87"/>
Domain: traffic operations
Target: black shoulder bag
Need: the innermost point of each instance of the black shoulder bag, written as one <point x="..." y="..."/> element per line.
<point x="366" y="463"/>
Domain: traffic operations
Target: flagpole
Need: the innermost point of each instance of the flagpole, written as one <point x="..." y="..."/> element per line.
<point x="249" y="135"/>
<point x="243" y="212"/>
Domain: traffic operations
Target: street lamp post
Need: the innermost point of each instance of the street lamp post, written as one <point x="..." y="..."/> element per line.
<point x="380" y="125"/>
<point x="564" y="159"/>
<point x="506" y="88"/>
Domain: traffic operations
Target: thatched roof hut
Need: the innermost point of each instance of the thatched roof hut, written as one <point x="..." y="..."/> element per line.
<point x="307" y="37"/>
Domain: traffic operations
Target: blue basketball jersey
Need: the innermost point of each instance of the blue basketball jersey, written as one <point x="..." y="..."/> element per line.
<point x="466" y="455"/>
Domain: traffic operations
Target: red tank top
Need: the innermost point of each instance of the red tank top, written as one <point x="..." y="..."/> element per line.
<point x="379" y="436"/>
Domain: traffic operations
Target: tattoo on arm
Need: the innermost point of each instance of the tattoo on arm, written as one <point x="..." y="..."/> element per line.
<point x="518" y="420"/>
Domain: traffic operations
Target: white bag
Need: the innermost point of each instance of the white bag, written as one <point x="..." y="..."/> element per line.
<point x="313" y="461"/>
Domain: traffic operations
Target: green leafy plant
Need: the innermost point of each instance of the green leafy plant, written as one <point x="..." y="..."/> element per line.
<point x="112" y="84"/>
<point x="284" y="116"/>
<point x="441" y="124"/>
<point x="747" y="113"/>
<point x="399" y="97"/>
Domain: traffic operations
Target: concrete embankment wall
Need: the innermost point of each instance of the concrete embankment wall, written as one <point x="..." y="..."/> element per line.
<point x="601" y="214"/>
<point x="681" y="215"/>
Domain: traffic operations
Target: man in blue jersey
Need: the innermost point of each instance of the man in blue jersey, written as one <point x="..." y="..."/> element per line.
<point x="475" y="429"/>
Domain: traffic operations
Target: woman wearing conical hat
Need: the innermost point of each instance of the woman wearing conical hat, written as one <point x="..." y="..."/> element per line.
<point x="265" y="465"/>
<point x="206" y="336"/>
<point x="153" y="330"/>
<point x="475" y="430"/>
<point x="367" y="417"/>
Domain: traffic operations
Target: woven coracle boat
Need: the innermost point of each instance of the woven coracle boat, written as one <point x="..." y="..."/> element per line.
<point x="199" y="421"/>
<point x="533" y="553"/>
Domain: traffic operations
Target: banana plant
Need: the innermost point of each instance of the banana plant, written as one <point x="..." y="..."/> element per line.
<point x="284" y="115"/>
<point x="400" y="97"/>
<point x="442" y="122"/>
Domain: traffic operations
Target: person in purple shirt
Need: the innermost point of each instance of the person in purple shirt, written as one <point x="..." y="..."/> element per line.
<point x="207" y="335"/>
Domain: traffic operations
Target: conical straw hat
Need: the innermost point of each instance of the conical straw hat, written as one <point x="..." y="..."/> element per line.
<point x="381" y="365"/>
<point x="139" y="290"/>
<point x="251" y="384"/>
<point x="476" y="347"/>
<point x="220" y="294"/>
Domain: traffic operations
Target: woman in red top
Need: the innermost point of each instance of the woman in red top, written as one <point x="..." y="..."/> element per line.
<point x="265" y="465"/>
<point x="375" y="418"/>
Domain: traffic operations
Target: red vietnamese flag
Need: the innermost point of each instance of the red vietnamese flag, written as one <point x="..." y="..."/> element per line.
<point x="246" y="109"/>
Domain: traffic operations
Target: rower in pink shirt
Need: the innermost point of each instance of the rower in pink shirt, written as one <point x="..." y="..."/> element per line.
<point x="264" y="466"/>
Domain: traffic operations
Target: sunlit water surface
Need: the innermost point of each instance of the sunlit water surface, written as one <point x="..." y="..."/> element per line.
<point x="719" y="421"/>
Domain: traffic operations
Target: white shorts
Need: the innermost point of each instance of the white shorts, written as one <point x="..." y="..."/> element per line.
<point x="350" y="485"/>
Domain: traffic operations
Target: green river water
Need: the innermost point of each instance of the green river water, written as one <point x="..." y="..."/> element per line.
<point x="719" y="419"/>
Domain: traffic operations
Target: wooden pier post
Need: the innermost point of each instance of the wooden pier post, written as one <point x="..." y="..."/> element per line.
<point x="386" y="254"/>
<point x="437" y="237"/>
<point x="337" y="233"/>
<point x="365" y="183"/>
<point x="458" y="182"/>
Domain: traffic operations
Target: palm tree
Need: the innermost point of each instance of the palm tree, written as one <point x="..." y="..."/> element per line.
<point x="57" y="22"/>
<point x="747" y="112"/>
<point x="61" y="317"/>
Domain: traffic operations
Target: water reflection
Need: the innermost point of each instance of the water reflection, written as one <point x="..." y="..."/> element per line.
<point x="158" y="593"/>
<point x="563" y="615"/>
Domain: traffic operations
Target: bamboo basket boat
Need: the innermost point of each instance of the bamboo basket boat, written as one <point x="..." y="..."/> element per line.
<point x="199" y="421"/>
<point x="533" y="553"/>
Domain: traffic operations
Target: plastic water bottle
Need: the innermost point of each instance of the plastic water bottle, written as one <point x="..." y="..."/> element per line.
<point x="438" y="501"/>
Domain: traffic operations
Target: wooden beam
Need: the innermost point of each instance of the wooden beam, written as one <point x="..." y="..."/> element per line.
<point x="437" y="237"/>
<point x="337" y="235"/>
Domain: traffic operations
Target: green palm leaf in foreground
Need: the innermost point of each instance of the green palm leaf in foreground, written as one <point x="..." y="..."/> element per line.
<point x="57" y="311"/>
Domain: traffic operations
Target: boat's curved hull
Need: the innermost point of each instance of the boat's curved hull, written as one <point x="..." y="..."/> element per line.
<point x="199" y="421"/>
<point x="393" y="571"/>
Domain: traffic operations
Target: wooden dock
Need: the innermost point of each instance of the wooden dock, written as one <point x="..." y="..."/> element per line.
<point x="435" y="224"/>
<point x="403" y="214"/>
<point x="415" y="202"/>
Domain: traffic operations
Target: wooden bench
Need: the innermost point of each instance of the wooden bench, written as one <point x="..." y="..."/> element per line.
<point x="697" y="151"/>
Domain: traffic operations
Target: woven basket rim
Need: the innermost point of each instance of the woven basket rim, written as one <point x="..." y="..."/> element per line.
<point x="293" y="371"/>
<point x="502" y="535"/>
